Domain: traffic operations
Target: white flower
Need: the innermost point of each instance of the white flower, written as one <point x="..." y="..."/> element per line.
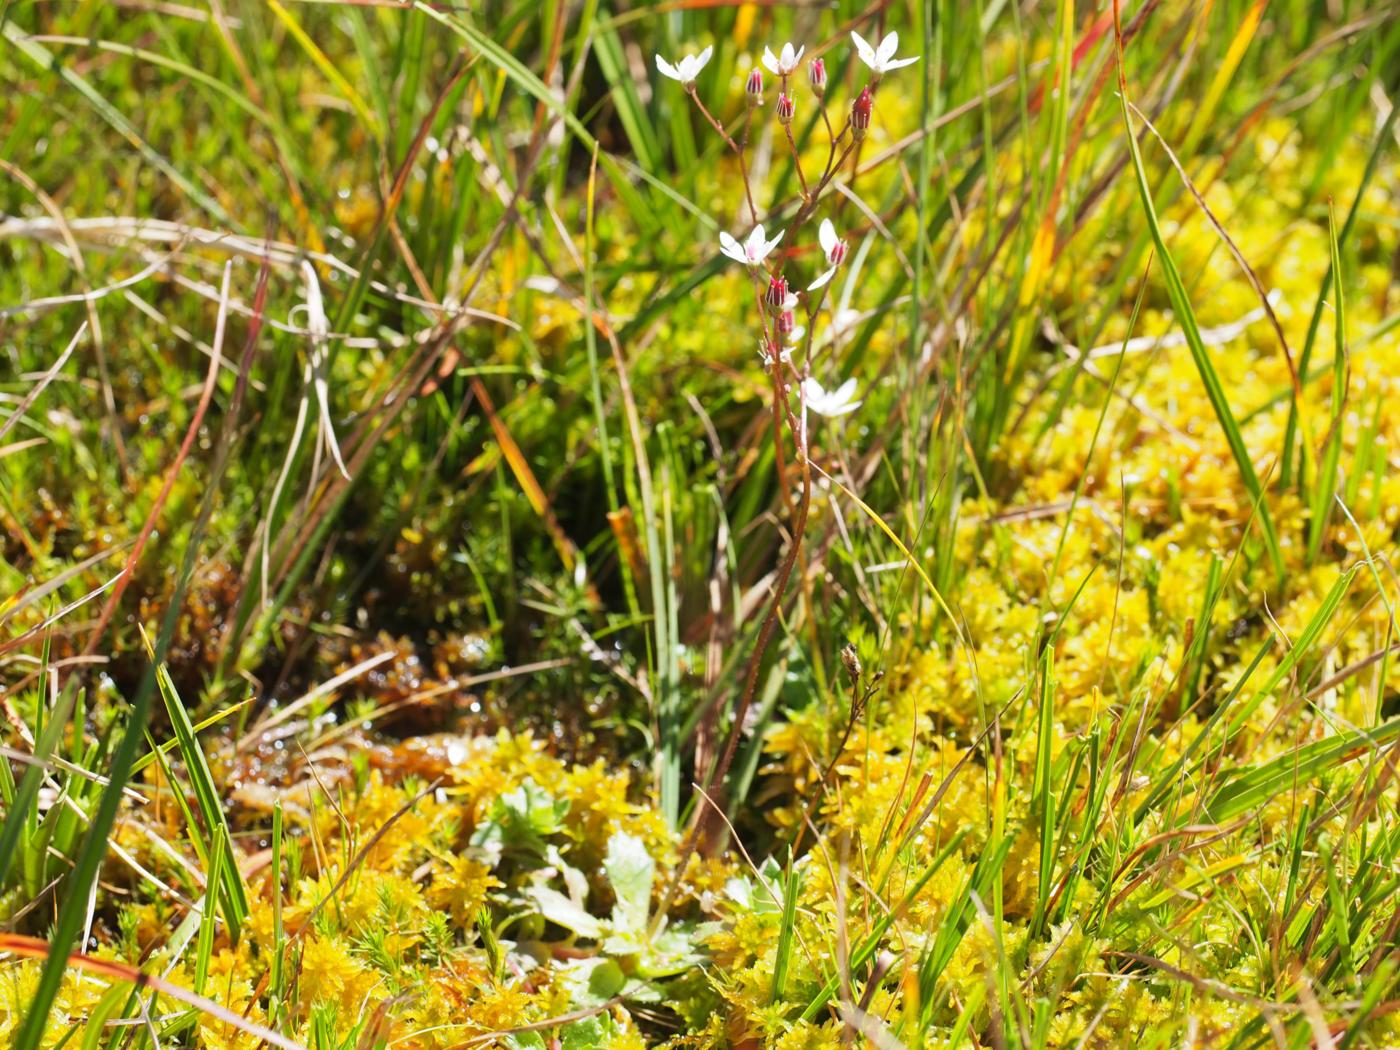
<point x="783" y="64"/>
<point x="753" y="251"/>
<point x="881" y="59"/>
<point x="843" y="324"/>
<point x="784" y="355"/>
<point x="834" y="248"/>
<point x="830" y="403"/>
<point x="687" y="69"/>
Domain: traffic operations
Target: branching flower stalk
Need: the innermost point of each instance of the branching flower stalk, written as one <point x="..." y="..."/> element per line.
<point x="739" y="150"/>
<point x="779" y="336"/>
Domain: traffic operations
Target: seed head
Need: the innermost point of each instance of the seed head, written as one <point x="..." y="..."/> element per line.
<point x="851" y="659"/>
<point x="816" y="75"/>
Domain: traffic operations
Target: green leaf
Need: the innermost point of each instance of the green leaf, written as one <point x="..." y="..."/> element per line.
<point x="560" y="910"/>
<point x="605" y="980"/>
<point x="593" y="1032"/>
<point x="522" y="819"/>
<point x="631" y="871"/>
<point x="670" y="952"/>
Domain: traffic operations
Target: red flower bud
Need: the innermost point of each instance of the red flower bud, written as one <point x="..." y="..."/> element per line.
<point x="786" y="323"/>
<point x="754" y="87"/>
<point x="861" y="110"/>
<point x="785" y="108"/>
<point x="777" y="293"/>
<point x="816" y="75"/>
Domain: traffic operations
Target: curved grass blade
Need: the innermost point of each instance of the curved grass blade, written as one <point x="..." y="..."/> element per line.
<point x="1181" y="304"/>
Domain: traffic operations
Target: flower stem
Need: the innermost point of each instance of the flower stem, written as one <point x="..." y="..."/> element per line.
<point x="729" y="140"/>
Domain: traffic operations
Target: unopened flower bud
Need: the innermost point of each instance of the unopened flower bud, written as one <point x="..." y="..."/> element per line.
<point x="786" y="323"/>
<point x="816" y="75"/>
<point x="753" y="87"/>
<point x="777" y="293"/>
<point x="785" y="108"/>
<point x="861" y="110"/>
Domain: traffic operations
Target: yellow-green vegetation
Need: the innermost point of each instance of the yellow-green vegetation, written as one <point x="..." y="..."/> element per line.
<point x="428" y="623"/>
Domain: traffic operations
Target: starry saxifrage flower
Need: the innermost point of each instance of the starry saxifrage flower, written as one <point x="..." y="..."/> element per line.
<point x="834" y="248"/>
<point x="753" y="251"/>
<point x="881" y="59"/>
<point x="783" y="63"/>
<point x="687" y="69"/>
<point x="831" y="403"/>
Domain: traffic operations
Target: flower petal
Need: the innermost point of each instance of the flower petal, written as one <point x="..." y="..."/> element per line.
<point x="798" y="57"/>
<point x="787" y="59"/>
<point x="888" y="47"/>
<point x="770" y="61"/>
<point x="864" y="50"/>
<point x="667" y="69"/>
<point x="900" y="63"/>
<point x="823" y="280"/>
<point x="827" y="236"/>
<point x="731" y="248"/>
<point x="832" y="403"/>
<point x="702" y="59"/>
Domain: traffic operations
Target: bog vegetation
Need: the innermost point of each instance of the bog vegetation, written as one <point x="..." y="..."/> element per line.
<point x="596" y="524"/>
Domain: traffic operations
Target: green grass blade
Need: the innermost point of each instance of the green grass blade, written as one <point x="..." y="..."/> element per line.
<point x="207" y="795"/>
<point x="871" y="944"/>
<point x="43" y="58"/>
<point x="1324" y="488"/>
<point x="1186" y="316"/>
<point x="1247" y="791"/>
<point x="1042" y="792"/>
<point x="209" y="912"/>
<point x="1383" y="140"/>
<point x="1300" y="648"/>
<point x="791" y="889"/>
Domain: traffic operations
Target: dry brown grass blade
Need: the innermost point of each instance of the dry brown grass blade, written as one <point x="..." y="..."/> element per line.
<point x="38" y="388"/>
<point x="536" y="1026"/>
<point x="26" y="598"/>
<point x="37" y="948"/>
<point x="1205" y="985"/>
<point x="94" y="321"/>
<point x="520" y="467"/>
